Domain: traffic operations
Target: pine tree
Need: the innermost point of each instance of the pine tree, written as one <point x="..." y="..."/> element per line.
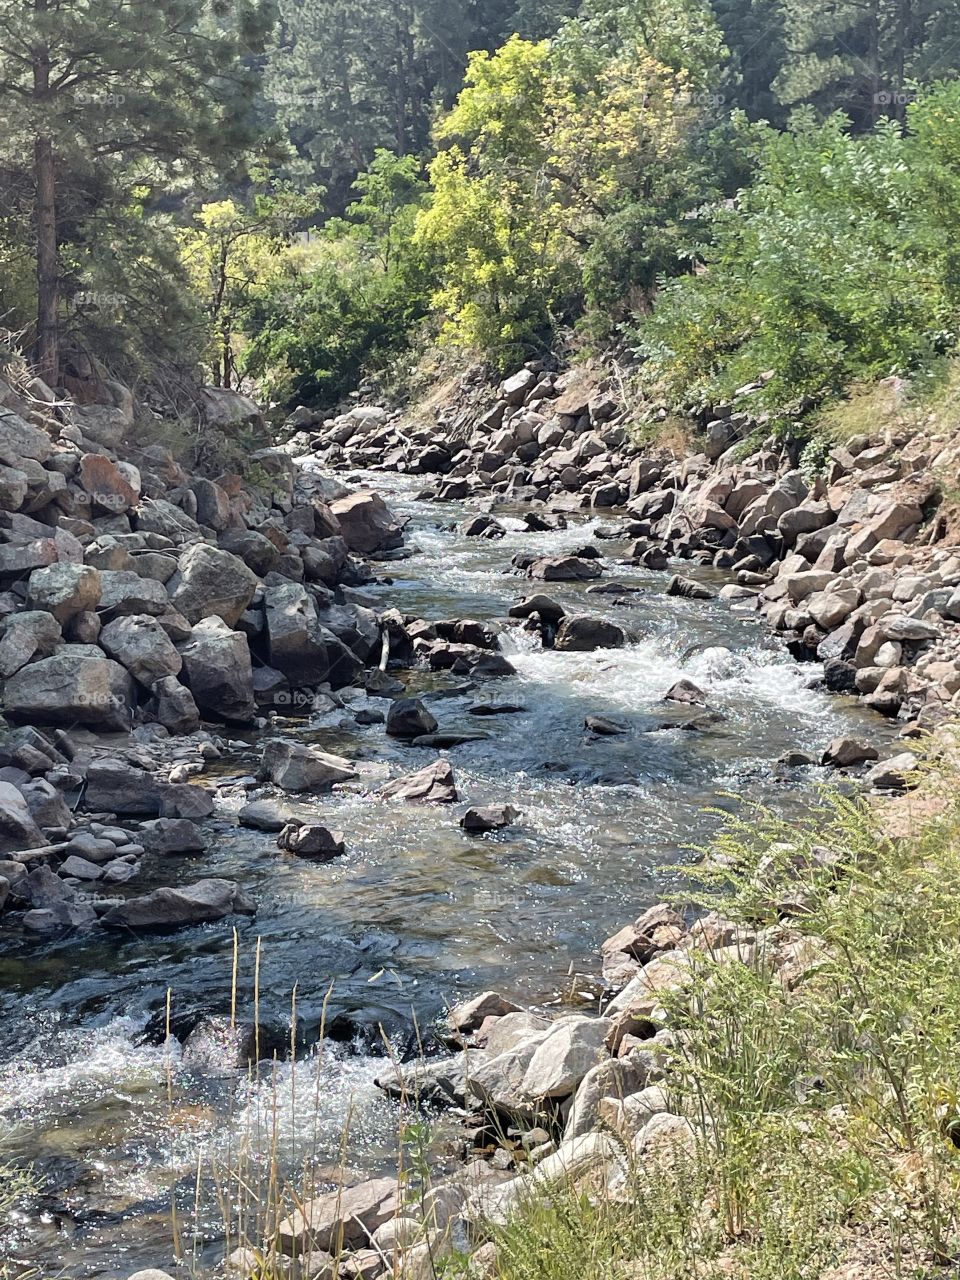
<point x="862" y="56"/>
<point x="129" y="92"/>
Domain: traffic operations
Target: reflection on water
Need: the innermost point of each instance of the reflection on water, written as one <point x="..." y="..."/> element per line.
<point x="416" y="914"/>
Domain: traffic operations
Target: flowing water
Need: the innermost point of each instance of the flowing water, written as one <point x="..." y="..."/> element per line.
<point x="116" y="1121"/>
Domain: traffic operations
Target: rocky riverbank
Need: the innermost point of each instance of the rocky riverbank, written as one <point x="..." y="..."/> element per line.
<point x="856" y="565"/>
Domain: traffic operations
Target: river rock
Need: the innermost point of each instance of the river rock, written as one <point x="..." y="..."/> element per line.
<point x="409" y="718"/>
<point x="366" y="523"/>
<point x="210" y="582"/>
<point x="435" y="784"/>
<point x="264" y="815"/>
<point x="689" y="589"/>
<point x="614" y="1078"/>
<point x="547" y="609"/>
<point x="295" y="638"/>
<point x="173" y="835"/>
<point x="295" y="767"/>
<point x="603" y="727"/>
<point x="311" y="840"/>
<point x="26" y="636"/>
<point x="340" y="1219"/>
<point x="64" y="590"/>
<point x="892" y="774"/>
<point x="169" y="908"/>
<point x="218" y="670"/>
<point x="687" y="692"/>
<point x="564" y="569"/>
<point x="582" y="635"/>
<point x="174" y="707"/>
<point x="491" y="817"/>
<point x="841" y="753"/>
<point x="18" y="830"/>
<point x="470" y="1014"/>
<point x="571" y="1047"/>
<point x="77" y="684"/>
<point x="140" y="644"/>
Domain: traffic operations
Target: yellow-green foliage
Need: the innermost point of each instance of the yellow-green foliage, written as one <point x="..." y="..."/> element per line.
<point x="546" y="148"/>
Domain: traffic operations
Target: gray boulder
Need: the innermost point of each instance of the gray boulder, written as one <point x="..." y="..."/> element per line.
<point x="294" y="767"/>
<point x="174" y="707"/>
<point x="210" y="582"/>
<point x="140" y="644"/>
<point x="582" y="635"/>
<point x="409" y="718"/>
<point x="295" y="638"/>
<point x="26" y="636"/>
<point x="168" y="908"/>
<point x="124" y="592"/>
<point x="564" y="569"/>
<point x="77" y="684"/>
<point x="64" y="590"/>
<point x="18" y="830"/>
<point x="218" y="671"/>
<point x="311" y="840"/>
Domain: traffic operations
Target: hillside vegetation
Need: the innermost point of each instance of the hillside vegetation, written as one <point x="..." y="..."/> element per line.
<point x="300" y="196"/>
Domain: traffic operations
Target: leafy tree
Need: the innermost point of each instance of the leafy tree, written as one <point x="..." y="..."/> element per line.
<point x="567" y="171"/>
<point x="117" y="92"/>
<point x="232" y="253"/>
<point x="838" y="264"/>
<point x="348" y="302"/>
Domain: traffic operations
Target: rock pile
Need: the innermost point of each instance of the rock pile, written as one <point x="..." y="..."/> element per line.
<point x="138" y="600"/>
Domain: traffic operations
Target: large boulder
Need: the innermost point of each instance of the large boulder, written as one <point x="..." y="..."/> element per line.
<point x="367" y="524"/>
<point x="582" y="634"/>
<point x="294" y="767"/>
<point x="564" y="569"/>
<point x="340" y="1219"/>
<point x="107" y="484"/>
<point x="572" y="1047"/>
<point x="168" y="908"/>
<point x="77" y="685"/>
<point x="296" y="641"/>
<point x="210" y="582"/>
<point x="18" y="830"/>
<point x="174" y="707"/>
<point x="25" y="637"/>
<point x="218" y="671"/>
<point x="64" y="590"/>
<point x="139" y="643"/>
<point x="20" y="440"/>
<point x="123" y="592"/>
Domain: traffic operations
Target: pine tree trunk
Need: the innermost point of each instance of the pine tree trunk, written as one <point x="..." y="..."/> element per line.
<point x="45" y="207"/>
<point x="48" y="275"/>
